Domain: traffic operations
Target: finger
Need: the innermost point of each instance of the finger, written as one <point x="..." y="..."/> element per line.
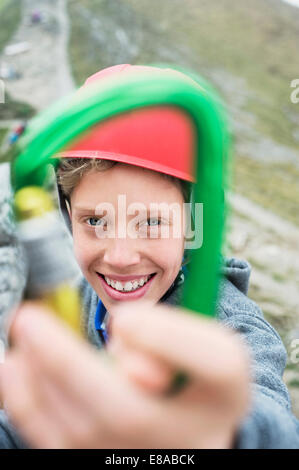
<point x="76" y="424"/>
<point x="55" y="348"/>
<point x="119" y="410"/>
<point x="145" y="371"/>
<point x="102" y="402"/>
<point x="208" y="351"/>
<point x="81" y="373"/>
<point x="24" y="406"/>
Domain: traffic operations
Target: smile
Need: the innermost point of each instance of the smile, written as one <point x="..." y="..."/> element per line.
<point x="129" y="287"/>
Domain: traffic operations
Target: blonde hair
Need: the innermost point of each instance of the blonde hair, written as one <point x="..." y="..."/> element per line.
<point x="71" y="170"/>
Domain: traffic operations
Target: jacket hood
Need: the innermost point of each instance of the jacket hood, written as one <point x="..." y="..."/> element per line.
<point x="237" y="272"/>
<point x="234" y="270"/>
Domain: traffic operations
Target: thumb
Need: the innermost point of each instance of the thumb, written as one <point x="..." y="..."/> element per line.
<point x="199" y="346"/>
<point x="142" y="367"/>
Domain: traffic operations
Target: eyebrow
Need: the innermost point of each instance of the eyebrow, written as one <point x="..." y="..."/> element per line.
<point x="83" y="209"/>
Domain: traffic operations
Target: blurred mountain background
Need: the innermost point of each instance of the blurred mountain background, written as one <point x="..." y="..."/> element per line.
<point x="247" y="50"/>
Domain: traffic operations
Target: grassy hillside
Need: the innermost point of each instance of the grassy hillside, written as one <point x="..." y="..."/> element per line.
<point x="12" y="109"/>
<point x="10" y="15"/>
<point x="2" y="135"/>
<point x="249" y="50"/>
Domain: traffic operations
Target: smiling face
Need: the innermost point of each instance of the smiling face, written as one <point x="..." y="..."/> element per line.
<point x="122" y="267"/>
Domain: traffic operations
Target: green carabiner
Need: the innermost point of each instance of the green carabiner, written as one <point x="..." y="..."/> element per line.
<point x="60" y="125"/>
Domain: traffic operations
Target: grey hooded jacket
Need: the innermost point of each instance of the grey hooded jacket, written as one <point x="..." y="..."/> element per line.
<point x="270" y="423"/>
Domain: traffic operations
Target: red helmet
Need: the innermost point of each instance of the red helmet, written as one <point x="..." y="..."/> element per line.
<point x="159" y="138"/>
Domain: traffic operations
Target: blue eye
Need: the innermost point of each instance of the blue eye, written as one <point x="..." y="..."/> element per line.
<point x="93" y="221"/>
<point x="153" y="222"/>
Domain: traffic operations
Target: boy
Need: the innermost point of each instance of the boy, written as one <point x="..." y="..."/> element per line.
<point x="210" y="411"/>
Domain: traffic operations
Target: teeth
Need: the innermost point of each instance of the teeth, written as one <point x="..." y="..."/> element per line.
<point x="127" y="286"/>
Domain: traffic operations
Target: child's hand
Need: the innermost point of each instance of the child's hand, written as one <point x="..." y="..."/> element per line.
<point x="61" y="393"/>
<point x="153" y="344"/>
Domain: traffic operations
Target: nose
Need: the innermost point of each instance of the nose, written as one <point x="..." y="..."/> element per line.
<point x="121" y="253"/>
